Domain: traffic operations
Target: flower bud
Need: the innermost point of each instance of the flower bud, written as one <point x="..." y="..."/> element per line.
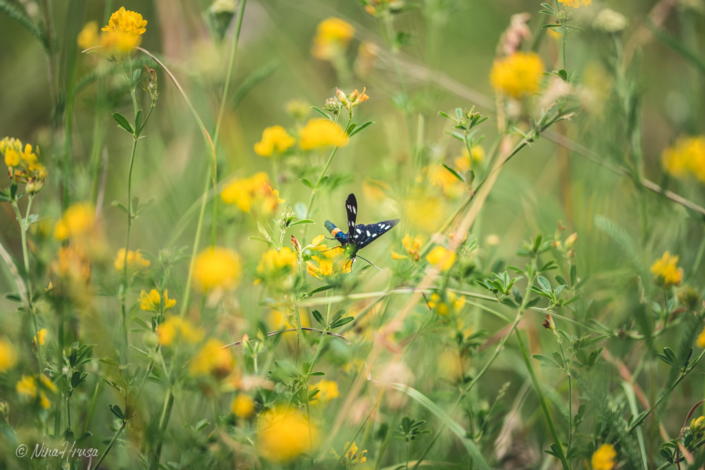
<point x="341" y="97"/>
<point x="548" y="323"/>
<point x="570" y="241"/>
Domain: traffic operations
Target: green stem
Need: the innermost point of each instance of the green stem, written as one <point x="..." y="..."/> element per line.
<point x="544" y="406"/>
<point x="110" y="446"/>
<point x="94" y="402"/>
<point x="123" y="294"/>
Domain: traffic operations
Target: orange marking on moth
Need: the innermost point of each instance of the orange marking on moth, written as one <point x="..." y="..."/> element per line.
<point x="336" y="231"/>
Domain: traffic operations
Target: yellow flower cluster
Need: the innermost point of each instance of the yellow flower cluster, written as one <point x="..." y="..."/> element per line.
<point x="213" y="359"/>
<point x="253" y="194"/>
<point x="8" y="357"/>
<point x="443" y="306"/>
<point x="441" y="258"/>
<point x="274" y="139"/>
<point x="575" y="3"/>
<point x="447" y="182"/>
<point x="277" y="263"/>
<point x="243" y="406"/>
<point x="327" y="391"/>
<point x="124" y="31"/>
<point x="603" y="458"/>
<point x="29" y="389"/>
<point x="666" y="272"/>
<point x="412" y="248"/>
<point x="464" y="162"/>
<point x="517" y="75"/>
<point x="332" y="38"/>
<point x="175" y="328"/>
<point x="42" y="334"/>
<point x="318" y="133"/>
<point x="77" y="222"/>
<point x="330" y="262"/>
<point x="700" y="342"/>
<point x="23" y="164"/>
<point x="686" y="157"/>
<point x="72" y="262"/>
<point x="135" y="261"/>
<point x="152" y="302"/>
<point x="283" y="433"/>
<point x="353" y="455"/>
<point x="217" y="268"/>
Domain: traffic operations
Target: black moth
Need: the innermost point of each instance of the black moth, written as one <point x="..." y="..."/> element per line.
<point x="358" y="236"/>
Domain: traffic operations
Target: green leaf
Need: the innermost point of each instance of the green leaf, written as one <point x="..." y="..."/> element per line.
<point x="341" y="322"/>
<point x="319" y="289"/>
<point x="138" y="123"/>
<point x="359" y="128"/>
<point x="307" y="183"/>
<point x="122" y="122"/>
<point x="302" y="222"/>
<point x="543" y="282"/>
<point x="117" y="411"/>
<point x="545" y="360"/>
<point x="457" y="429"/>
<point x="320" y="111"/>
<point x="319" y="318"/>
<point x="454" y="173"/>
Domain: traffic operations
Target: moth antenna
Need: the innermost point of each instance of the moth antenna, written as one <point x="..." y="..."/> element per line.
<point x="368" y="262"/>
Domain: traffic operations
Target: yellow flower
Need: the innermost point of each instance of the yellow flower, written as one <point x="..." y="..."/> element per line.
<point x="27" y="388"/>
<point x="274" y="139"/>
<point x="73" y="263"/>
<point x="278" y="321"/>
<point x="253" y="194"/>
<point x="319" y="133"/>
<point x="174" y="327"/>
<point x="327" y="390"/>
<point x="243" y="406"/>
<point x="134" y="260"/>
<point x="283" y="433"/>
<point x="352" y="456"/>
<point x="443" y="306"/>
<point x="685" y="157"/>
<point x="412" y="248"/>
<point x="464" y="162"/>
<point x="217" y="268"/>
<point x="666" y="272"/>
<point x="375" y="190"/>
<point x="153" y="301"/>
<point x="446" y="181"/>
<point x="517" y="75"/>
<point x="331" y="262"/>
<point x="332" y="38"/>
<point x="603" y="458"/>
<point x="88" y="37"/>
<point x="78" y="221"/>
<point x="43" y="333"/>
<point x="441" y="258"/>
<point x="23" y="164"/>
<point x="119" y="42"/>
<point x="575" y="3"/>
<point x="124" y="31"/>
<point x="700" y="342"/>
<point x="212" y="359"/>
<point x="277" y="263"/>
<point x="12" y="158"/>
<point x="8" y="357"/>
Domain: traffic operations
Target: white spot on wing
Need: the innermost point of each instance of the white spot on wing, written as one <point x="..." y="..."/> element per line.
<point x="358" y="230"/>
<point x="374" y="235"/>
<point x="368" y="233"/>
<point x="354" y="209"/>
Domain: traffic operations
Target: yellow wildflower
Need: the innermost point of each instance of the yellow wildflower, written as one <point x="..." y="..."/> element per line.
<point x="253" y="194"/>
<point x="575" y="3"/>
<point x="327" y="390"/>
<point x="353" y="455"/>
<point x="23" y="164"/>
<point x="12" y="158"/>
<point x="78" y="221"/>
<point x="685" y="157"/>
<point x="8" y="357"/>
<point x="700" y="342"/>
<point x="212" y="359"/>
<point x="697" y="425"/>
<point x="279" y="321"/>
<point x="603" y="458"/>
<point x="319" y="133"/>
<point x="332" y="38"/>
<point x="43" y="333"/>
<point x="330" y="262"/>
<point x="464" y="162"/>
<point x="217" y="268"/>
<point x="174" y="327"/>
<point x="243" y="406"/>
<point x="274" y="139"/>
<point x="152" y="302"/>
<point x="124" y="31"/>
<point x="517" y="75"/>
<point x="29" y="390"/>
<point x="441" y="258"/>
<point x="666" y="272"/>
<point x="441" y="178"/>
<point x="277" y="263"/>
<point x="375" y="190"/>
<point x="72" y="262"/>
<point x="283" y="433"/>
<point x="88" y="37"/>
<point x="135" y="261"/>
<point x="444" y="306"/>
<point x="412" y="248"/>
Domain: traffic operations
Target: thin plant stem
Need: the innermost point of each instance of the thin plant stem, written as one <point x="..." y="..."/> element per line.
<point x="110" y="445"/>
